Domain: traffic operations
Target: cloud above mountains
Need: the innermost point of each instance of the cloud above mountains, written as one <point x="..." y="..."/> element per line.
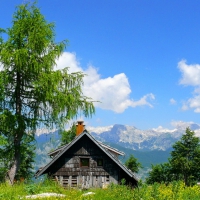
<point x="113" y="93"/>
<point x="190" y="73"/>
<point x="190" y="76"/>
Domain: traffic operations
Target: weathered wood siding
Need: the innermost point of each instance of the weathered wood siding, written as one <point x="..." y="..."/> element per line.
<point x="68" y="172"/>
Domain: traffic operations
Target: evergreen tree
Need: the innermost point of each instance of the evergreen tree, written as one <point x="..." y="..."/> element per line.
<point x="68" y="136"/>
<point x="185" y="158"/>
<point x="133" y="164"/>
<point x="26" y="168"/>
<point x="184" y="163"/>
<point x="160" y="173"/>
<point x="32" y="93"/>
<point x="27" y="158"/>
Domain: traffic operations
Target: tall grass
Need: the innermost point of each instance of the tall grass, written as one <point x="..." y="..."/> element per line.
<point x="173" y="191"/>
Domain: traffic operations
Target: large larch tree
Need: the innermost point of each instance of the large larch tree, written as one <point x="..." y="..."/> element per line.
<point x="32" y="93"/>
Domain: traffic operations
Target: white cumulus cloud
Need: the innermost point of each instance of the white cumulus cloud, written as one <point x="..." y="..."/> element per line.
<point x="68" y="60"/>
<point x="185" y="106"/>
<point x="194" y="103"/>
<point x="181" y="124"/>
<point x="172" y="101"/>
<point x="190" y="73"/>
<point x="191" y="77"/>
<point x="113" y="93"/>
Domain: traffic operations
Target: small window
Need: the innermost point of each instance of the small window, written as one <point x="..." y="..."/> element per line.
<point x="84" y="162"/>
<point x="99" y="162"/>
<point x="107" y="179"/>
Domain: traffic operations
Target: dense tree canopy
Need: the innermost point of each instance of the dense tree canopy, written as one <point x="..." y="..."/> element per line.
<point x="32" y="93"/>
<point x="133" y="164"/>
<point x="160" y="173"/>
<point x="185" y="158"/>
<point x="184" y="163"/>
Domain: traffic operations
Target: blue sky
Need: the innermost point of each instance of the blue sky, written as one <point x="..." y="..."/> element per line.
<point x="142" y="57"/>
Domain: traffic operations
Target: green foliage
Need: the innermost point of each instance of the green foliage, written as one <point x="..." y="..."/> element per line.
<point x="68" y="136"/>
<point x="46" y="185"/>
<point x="27" y="159"/>
<point x="173" y="191"/>
<point x="133" y="164"/>
<point x="160" y="173"/>
<point x="185" y="158"/>
<point x="184" y="163"/>
<point x="32" y="93"/>
<point x="26" y="170"/>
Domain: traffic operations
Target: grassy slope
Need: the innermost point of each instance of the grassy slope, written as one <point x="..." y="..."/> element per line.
<point x="176" y="190"/>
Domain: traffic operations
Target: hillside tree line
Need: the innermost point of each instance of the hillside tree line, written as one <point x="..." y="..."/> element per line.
<point x="184" y="163"/>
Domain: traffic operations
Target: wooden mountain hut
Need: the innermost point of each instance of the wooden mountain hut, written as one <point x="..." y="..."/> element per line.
<point x="86" y="162"/>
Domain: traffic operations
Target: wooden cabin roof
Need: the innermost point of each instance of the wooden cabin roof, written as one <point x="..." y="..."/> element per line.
<point x="111" y="149"/>
<point x="105" y="148"/>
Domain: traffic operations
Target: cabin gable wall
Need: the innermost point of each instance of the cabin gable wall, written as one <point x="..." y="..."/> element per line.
<point x="98" y="172"/>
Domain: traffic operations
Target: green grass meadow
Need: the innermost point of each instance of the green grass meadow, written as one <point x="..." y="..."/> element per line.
<point x="173" y="191"/>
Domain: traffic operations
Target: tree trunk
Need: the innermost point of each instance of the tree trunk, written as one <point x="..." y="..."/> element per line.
<point x="19" y="132"/>
<point x="13" y="170"/>
<point x="15" y="163"/>
<point x="186" y="179"/>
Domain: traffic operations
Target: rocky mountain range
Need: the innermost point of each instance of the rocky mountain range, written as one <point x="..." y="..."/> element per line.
<point x="124" y="137"/>
<point x="142" y="140"/>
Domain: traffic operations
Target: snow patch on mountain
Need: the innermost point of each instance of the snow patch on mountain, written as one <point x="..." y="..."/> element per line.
<point x="153" y="139"/>
<point x="131" y="137"/>
<point x="99" y="129"/>
<point x="44" y="131"/>
<point x="164" y="130"/>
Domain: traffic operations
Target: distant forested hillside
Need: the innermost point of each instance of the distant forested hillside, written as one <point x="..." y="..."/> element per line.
<point x="146" y="158"/>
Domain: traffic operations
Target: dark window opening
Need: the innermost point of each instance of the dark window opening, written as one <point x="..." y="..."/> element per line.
<point x="107" y="179"/>
<point x="74" y="181"/>
<point x="99" y="162"/>
<point x="65" y="181"/>
<point x="84" y="162"/>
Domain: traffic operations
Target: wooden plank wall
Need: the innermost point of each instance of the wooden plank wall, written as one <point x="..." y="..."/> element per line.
<point x="84" y="181"/>
<point x="67" y="171"/>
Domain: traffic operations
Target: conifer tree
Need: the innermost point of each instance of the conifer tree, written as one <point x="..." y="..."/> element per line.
<point x="185" y="158"/>
<point x="184" y="163"/>
<point x="133" y="164"/>
<point x="32" y="93"/>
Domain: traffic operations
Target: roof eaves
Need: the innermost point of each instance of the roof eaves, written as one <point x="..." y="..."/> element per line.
<point x="112" y="149"/>
<point x="54" y="151"/>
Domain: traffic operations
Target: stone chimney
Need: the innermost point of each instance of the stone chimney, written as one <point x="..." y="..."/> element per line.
<point x="80" y="127"/>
